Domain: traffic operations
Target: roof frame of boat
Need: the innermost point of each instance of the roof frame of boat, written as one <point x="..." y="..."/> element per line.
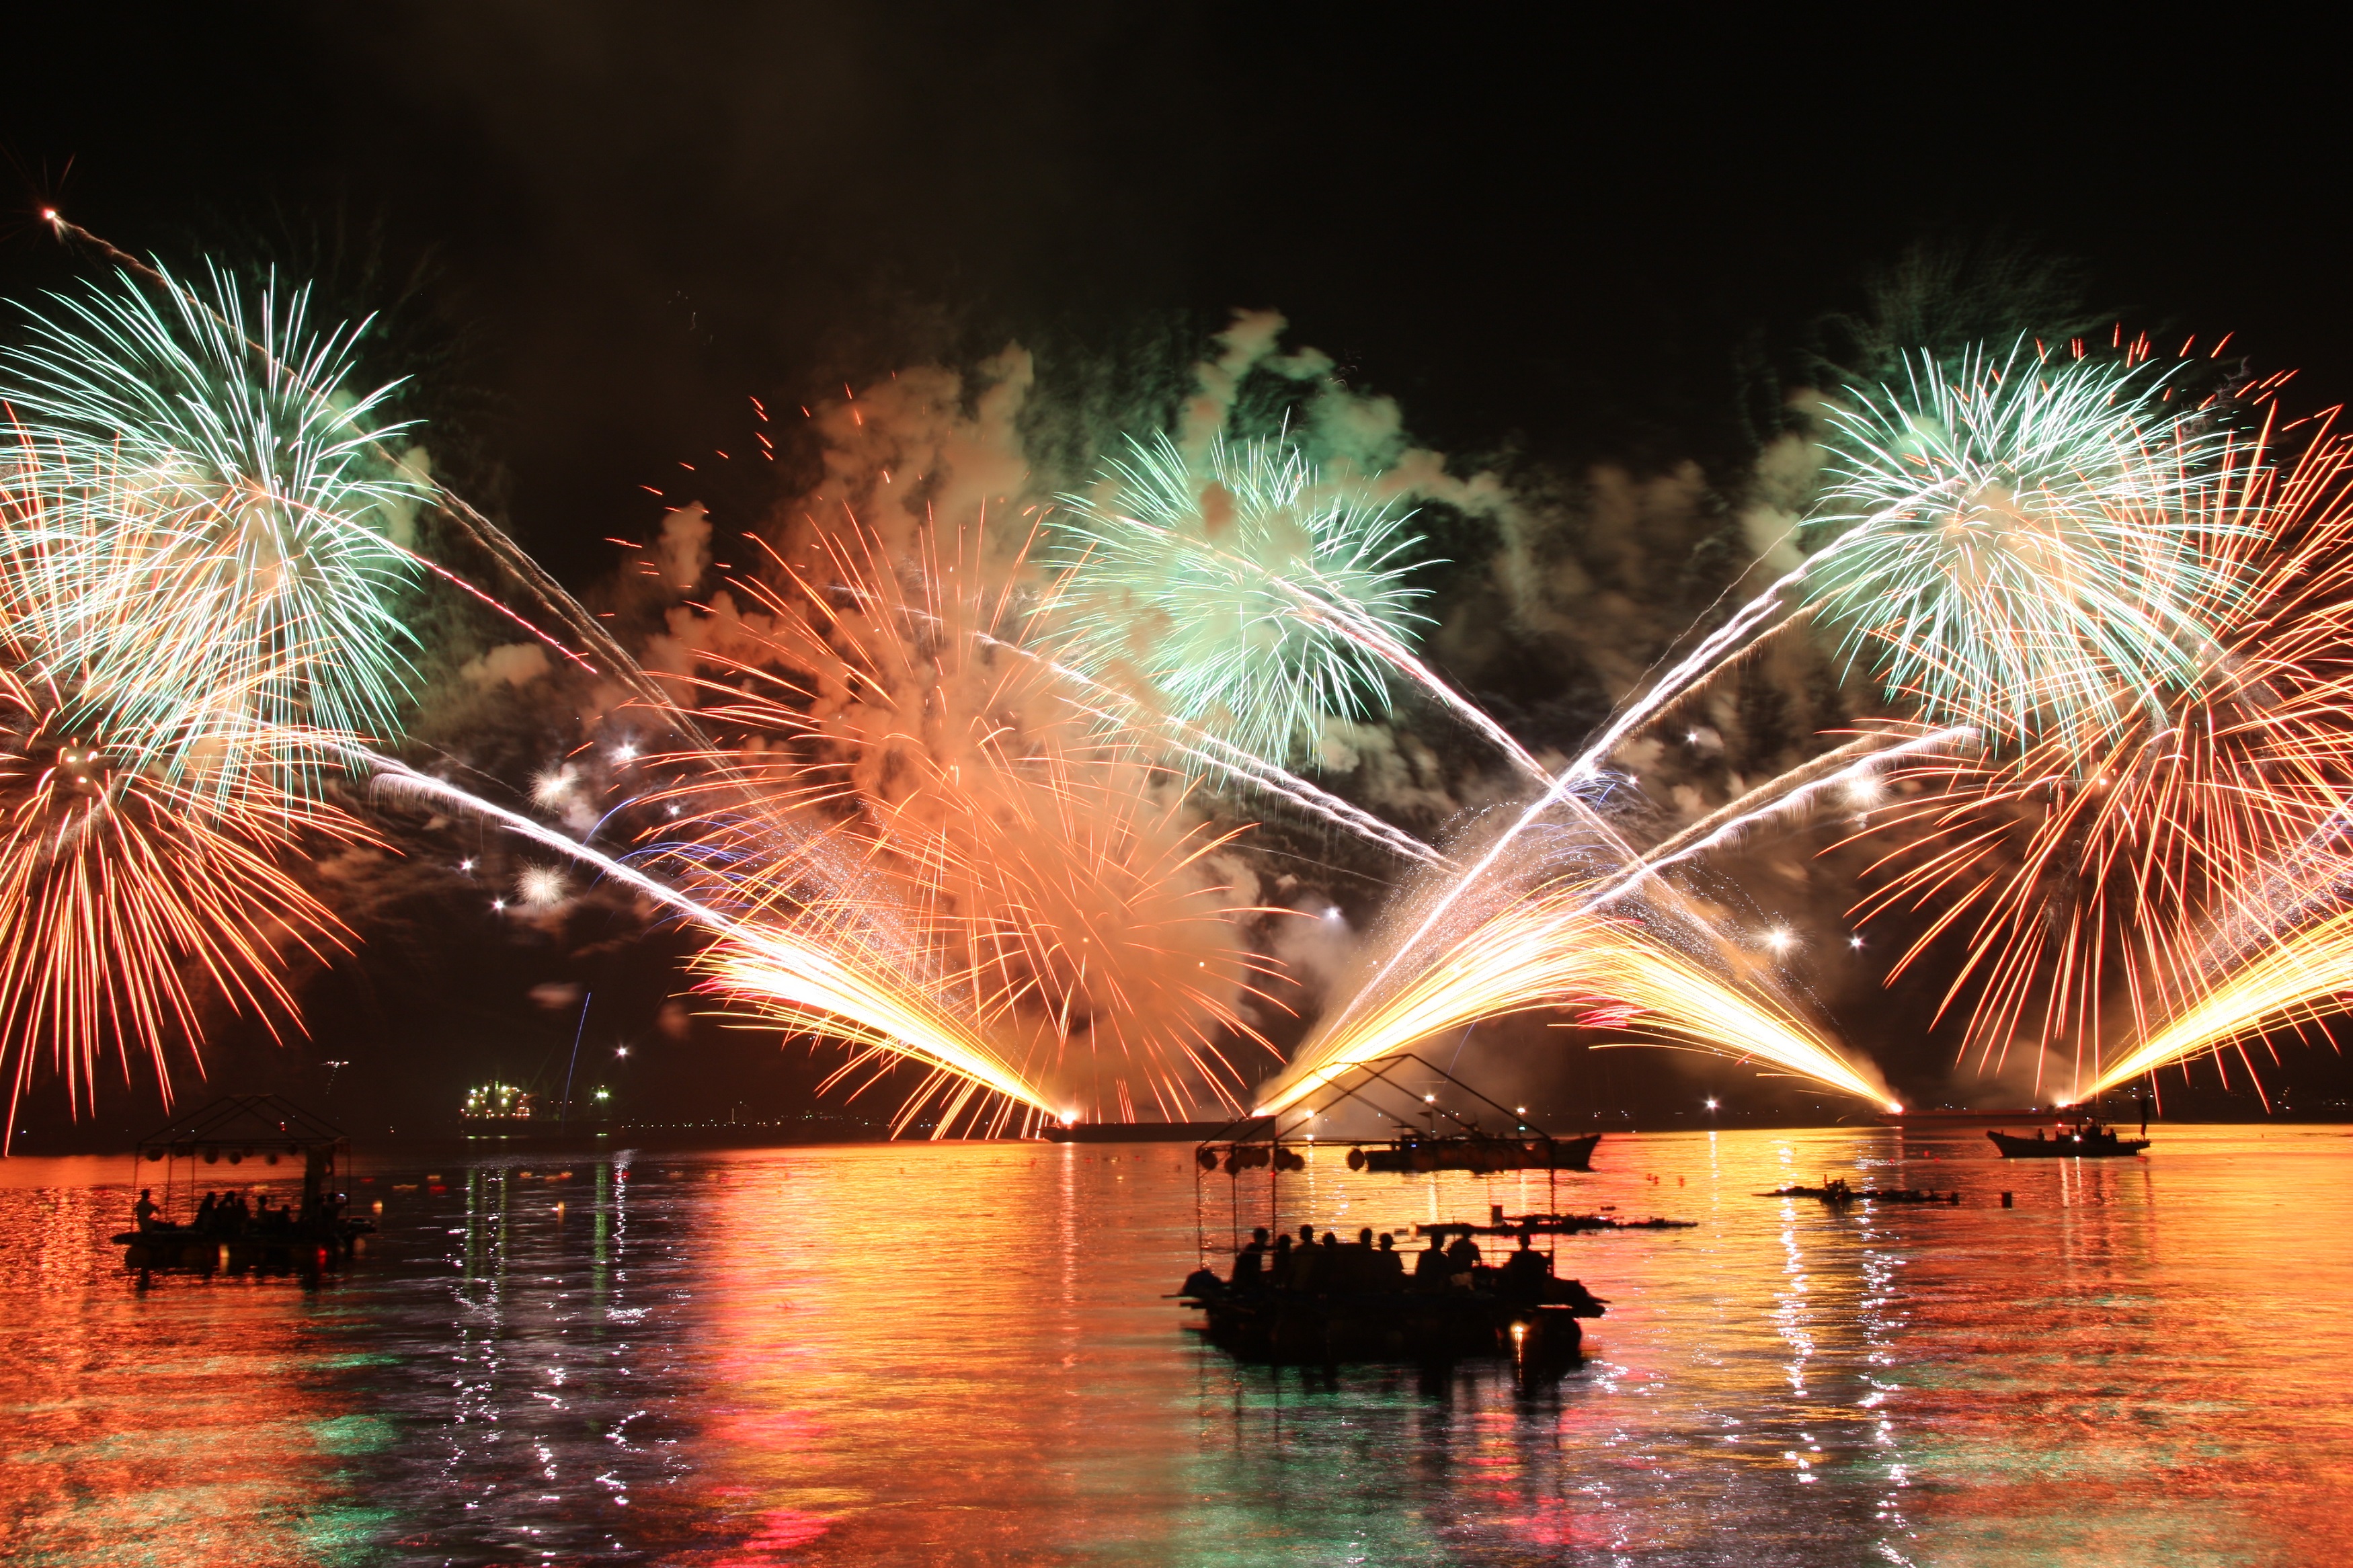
<point x="1376" y="1071"/>
<point x="245" y="1121"/>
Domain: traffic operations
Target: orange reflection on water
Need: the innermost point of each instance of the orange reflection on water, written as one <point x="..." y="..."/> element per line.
<point x="175" y="1424"/>
<point x="963" y="1353"/>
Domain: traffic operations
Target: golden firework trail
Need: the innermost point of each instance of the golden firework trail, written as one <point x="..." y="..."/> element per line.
<point x="801" y="964"/>
<point x="1550" y="950"/>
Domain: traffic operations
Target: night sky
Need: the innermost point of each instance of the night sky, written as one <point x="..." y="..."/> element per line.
<point x="597" y="228"/>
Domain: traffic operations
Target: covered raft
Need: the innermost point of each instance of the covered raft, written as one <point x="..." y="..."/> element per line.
<point x="262" y="1130"/>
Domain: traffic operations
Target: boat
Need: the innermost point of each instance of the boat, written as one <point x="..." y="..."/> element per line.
<point x="1837" y="1194"/>
<point x="182" y="1235"/>
<point x="1444" y="1323"/>
<point x="1418" y="1152"/>
<point x="2086" y="1137"/>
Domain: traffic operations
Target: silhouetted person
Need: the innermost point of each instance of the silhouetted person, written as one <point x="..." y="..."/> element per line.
<point x="1388" y="1268"/>
<point x="1430" y="1266"/>
<point x="1526" y="1270"/>
<point x="1463" y="1260"/>
<point x="144" y="1211"/>
<point x="1248" y="1263"/>
<point x="1330" y="1240"/>
<point x="1307" y="1236"/>
<point x="208" y="1212"/>
<point x="1307" y="1269"/>
<point x="1278" y="1263"/>
<point x="1364" y="1239"/>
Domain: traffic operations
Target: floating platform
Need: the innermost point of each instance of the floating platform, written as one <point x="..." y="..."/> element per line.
<point x="185" y="1251"/>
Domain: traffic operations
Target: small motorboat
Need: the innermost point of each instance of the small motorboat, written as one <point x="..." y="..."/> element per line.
<point x="2086" y="1137"/>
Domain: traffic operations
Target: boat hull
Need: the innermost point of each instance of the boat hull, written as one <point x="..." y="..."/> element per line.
<point x="1445" y="1325"/>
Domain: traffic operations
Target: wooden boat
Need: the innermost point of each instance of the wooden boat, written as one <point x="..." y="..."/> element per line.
<point x="2087" y="1139"/>
<point x="1418" y="1152"/>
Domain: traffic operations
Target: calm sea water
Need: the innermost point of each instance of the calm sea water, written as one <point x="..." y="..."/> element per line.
<point x="958" y="1353"/>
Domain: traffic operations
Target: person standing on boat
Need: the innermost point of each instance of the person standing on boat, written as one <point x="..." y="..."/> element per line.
<point x="1526" y="1270"/>
<point x="1249" y="1262"/>
<point x="144" y="1211"/>
<point x="1463" y="1259"/>
<point x="1431" y="1268"/>
<point x="1388" y="1269"/>
<point x="208" y="1212"/>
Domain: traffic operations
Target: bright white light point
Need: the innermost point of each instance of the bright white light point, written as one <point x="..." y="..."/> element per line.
<point x="1780" y="939"/>
<point x="673" y="811"/>
<point x="1430" y="1099"/>
<point x="552" y="785"/>
<point x="1519" y="1110"/>
<point x="621" y="1050"/>
<point x="1893" y="1109"/>
<point x="625" y="752"/>
<point x="1854" y="941"/>
<point x="1711" y="1105"/>
<point x="1332" y="912"/>
<point x="465" y="865"/>
<point x="1691" y="737"/>
<point x="497" y="905"/>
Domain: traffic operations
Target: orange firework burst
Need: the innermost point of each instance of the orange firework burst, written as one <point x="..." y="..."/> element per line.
<point x="895" y="708"/>
<point x="146" y="798"/>
<point x="2109" y="860"/>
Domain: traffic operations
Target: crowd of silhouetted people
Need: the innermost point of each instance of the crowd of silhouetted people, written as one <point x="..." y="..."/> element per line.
<point x="229" y="1216"/>
<point x="1371" y="1265"/>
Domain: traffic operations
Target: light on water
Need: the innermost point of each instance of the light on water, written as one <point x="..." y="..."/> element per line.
<point x="960" y="1353"/>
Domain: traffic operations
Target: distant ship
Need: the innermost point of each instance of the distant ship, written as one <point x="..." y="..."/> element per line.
<point x="1934" y="1121"/>
<point x="1155" y="1131"/>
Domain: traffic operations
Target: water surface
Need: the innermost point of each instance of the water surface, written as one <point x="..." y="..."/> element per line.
<point x="958" y="1353"/>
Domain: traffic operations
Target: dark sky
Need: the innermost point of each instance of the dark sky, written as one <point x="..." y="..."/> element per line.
<point x="1578" y="237"/>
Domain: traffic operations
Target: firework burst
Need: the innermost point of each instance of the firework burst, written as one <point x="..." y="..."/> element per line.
<point x="2107" y="856"/>
<point x="217" y="507"/>
<point x="1254" y="596"/>
<point x="1044" y="872"/>
<point x="2025" y="545"/>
